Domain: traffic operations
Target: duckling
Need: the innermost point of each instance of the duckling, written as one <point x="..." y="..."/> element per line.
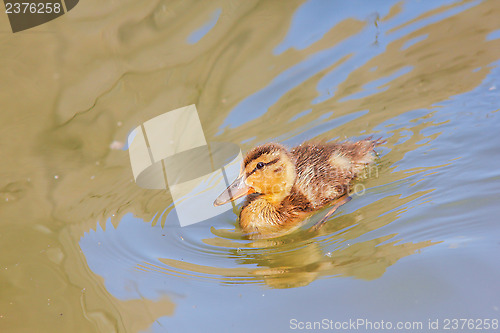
<point x="286" y="186"/>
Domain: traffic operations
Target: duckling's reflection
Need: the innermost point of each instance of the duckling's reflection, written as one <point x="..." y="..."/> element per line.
<point x="300" y="258"/>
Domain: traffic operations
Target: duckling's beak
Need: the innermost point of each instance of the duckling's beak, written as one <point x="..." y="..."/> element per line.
<point x="236" y="190"/>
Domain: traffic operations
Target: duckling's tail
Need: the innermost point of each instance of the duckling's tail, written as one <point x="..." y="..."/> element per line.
<point x="375" y="142"/>
<point x="362" y="152"/>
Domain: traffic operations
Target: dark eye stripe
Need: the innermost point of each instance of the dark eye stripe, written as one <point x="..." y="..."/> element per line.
<point x="265" y="164"/>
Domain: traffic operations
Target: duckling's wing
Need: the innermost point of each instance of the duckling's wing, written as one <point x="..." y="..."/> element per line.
<point x="325" y="170"/>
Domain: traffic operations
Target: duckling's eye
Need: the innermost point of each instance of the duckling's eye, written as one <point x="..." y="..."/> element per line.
<point x="260" y="165"/>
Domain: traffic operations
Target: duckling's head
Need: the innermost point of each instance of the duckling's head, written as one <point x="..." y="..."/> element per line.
<point x="268" y="170"/>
